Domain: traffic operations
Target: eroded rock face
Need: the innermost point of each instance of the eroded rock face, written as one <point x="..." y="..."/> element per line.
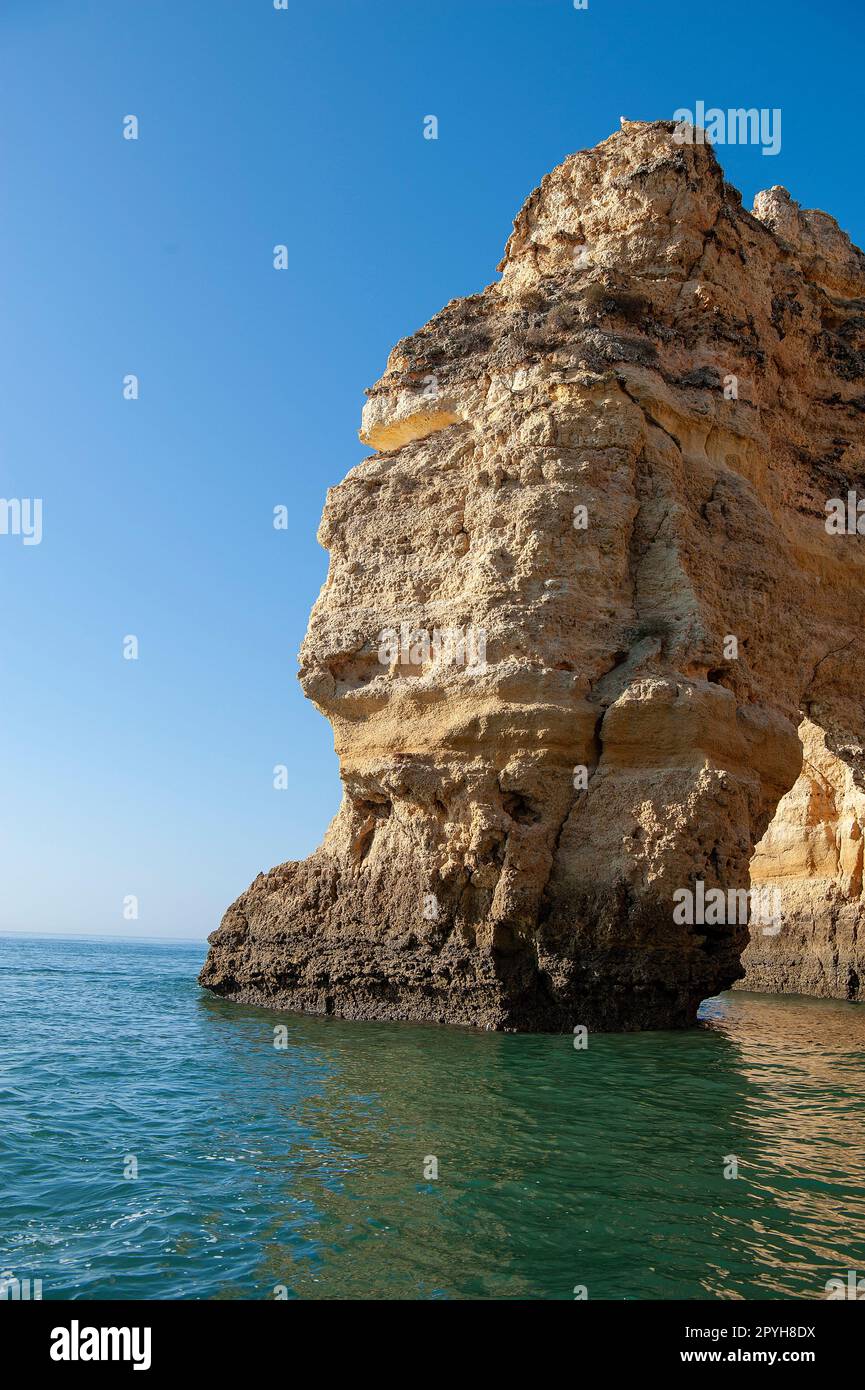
<point x="811" y="858"/>
<point x="606" y="476"/>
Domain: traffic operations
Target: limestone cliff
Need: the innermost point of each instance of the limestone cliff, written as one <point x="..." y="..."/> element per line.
<point x="579" y="601"/>
<point x="812" y="856"/>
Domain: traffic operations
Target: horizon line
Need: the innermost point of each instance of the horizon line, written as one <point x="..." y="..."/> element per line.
<point x="101" y="936"/>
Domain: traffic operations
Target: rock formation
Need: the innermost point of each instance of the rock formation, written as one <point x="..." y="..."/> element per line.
<point x="580" y="600"/>
<point x="811" y="855"/>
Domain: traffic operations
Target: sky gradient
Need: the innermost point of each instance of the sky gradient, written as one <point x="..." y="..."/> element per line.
<point x="154" y="777"/>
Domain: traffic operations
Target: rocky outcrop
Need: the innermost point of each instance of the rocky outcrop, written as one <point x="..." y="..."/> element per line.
<point x="811" y="859"/>
<point x="579" y="601"/>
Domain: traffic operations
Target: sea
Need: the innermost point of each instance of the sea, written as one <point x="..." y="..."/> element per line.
<point x="159" y="1143"/>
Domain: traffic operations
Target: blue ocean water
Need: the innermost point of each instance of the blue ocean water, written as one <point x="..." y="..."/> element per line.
<point x="304" y="1171"/>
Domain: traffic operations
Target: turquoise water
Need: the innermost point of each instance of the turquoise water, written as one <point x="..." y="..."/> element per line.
<point x="304" y="1167"/>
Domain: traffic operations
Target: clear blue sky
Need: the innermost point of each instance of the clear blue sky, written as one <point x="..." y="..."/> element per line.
<point x="258" y="126"/>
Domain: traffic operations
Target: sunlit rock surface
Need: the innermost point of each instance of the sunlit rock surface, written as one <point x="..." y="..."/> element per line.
<point x="608" y="472"/>
<point x="811" y="857"/>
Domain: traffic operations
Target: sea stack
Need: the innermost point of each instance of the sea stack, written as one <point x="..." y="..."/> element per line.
<point x="586" y="605"/>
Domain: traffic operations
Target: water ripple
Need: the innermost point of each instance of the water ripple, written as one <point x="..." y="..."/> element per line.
<point x="310" y="1169"/>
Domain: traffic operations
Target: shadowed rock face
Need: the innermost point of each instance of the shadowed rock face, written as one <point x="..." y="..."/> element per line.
<point x="608" y="473"/>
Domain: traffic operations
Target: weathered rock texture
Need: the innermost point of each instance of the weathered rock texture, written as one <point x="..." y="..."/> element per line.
<point x="812" y="855"/>
<point x="469" y="877"/>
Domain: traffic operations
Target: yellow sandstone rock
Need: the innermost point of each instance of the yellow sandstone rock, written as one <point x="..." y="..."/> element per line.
<point x="604" y="481"/>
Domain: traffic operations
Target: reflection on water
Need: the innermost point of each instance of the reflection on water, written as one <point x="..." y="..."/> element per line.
<point x="304" y="1167"/>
